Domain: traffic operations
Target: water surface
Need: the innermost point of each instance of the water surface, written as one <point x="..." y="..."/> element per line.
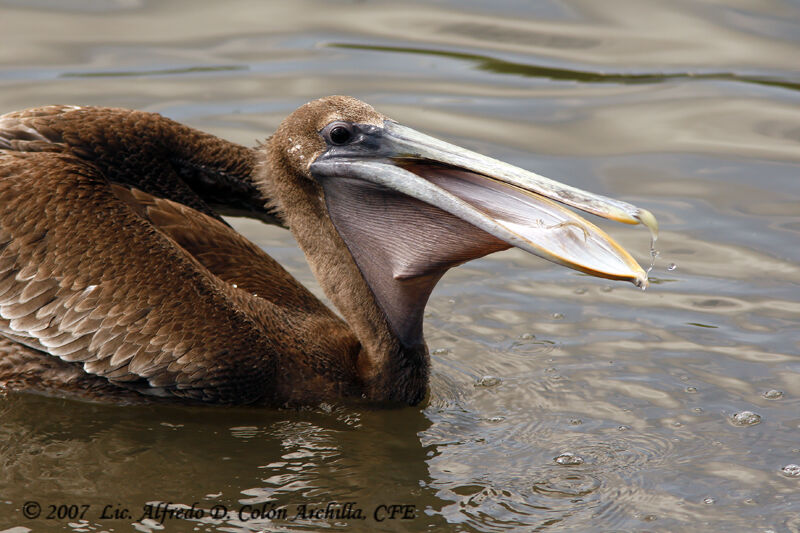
<point x="690" y="109"/>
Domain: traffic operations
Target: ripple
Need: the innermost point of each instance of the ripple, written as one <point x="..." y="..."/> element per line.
<point x="567" y="486"/>
<point x="496" y="65"/>
<point x="528" y="344"/>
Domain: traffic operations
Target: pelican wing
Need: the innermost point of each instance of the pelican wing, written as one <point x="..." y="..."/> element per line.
<point x="87" y="276"/>
<point x="146" y="151"/>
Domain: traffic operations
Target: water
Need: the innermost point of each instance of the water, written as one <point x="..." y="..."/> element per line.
<point x="688" y="109"/>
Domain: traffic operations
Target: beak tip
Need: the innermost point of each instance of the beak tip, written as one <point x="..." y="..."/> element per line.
<point x="648" y="219"/>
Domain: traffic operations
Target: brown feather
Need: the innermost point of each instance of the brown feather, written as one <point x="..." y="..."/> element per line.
<point x="119" y="279"/>
<point x="187" y="307"/>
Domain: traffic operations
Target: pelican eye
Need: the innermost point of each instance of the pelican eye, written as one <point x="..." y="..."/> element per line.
<point x="340" y="134"/>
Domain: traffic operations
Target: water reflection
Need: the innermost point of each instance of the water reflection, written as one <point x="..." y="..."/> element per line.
<point x="689" y="109"/>
<point x="500" y="66"/>
<point x="230" y="457"/>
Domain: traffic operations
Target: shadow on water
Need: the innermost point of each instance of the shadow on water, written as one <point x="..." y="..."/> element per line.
<point x="500" y="66"/>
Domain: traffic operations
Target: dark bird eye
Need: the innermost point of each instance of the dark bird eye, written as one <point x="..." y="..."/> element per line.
<point x="340" y="134"/>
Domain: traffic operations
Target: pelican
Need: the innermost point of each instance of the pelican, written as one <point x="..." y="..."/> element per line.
<point x="120" y="280"/>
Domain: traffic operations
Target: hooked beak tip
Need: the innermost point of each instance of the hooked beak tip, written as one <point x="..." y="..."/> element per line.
<point x="648" y="219"/>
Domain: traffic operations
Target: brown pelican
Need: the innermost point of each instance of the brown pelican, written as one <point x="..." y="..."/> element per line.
<point x="118" y="279"/>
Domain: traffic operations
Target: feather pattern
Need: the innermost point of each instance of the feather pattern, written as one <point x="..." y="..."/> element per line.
<point x="141" y="292"/>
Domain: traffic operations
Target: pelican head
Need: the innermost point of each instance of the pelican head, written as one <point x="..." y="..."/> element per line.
<point x="409" y="206"/>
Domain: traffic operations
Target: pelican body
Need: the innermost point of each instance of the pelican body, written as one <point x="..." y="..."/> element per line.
<point x="120" y="280"/>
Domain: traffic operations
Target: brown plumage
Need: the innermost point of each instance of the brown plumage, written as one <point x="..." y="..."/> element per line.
<point x="118" y="278"/>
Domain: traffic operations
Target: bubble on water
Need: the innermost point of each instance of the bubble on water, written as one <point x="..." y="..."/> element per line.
<point x="691" y="390"/>
<point x="488" y="381"/>
<point x="606" y="288"/>
<point x="745" y="418"/>
<point x="623" y="428"/>
<point x="708" y="501"/>
<point x="551" y="369"/>
<point x="580" y="291"/>
<point x="558" y="316"/>
<point x="671" y="267"/>
<point x="698" y="409"/>
<point x="527" y="337"/>
<point x="442" y="351"/>
<point x="575" y="421"/>
<point x="791" y="470"/>
<point x="773" y="394"/>
<point x="496" y="419"/>
<point x="568" y="459"/>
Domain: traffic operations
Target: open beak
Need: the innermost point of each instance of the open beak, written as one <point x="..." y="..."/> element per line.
<point x="513" y="205"/>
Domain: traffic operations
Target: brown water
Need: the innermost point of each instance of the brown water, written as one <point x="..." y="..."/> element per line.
<point x="688" y="108"/>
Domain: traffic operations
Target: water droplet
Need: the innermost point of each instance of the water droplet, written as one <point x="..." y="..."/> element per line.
<point x="488" y="381"/>
<point x="527" y="336"/>
<point x="580" y="291"/>
<point x="746" y="418"/>
<point x="568" y="459"/>
<point x="496" y="419"/>
<point x="791" y="470"/>
<point x="575" y="421"/>
<point x="607" y="288"/>
<point x="698" y="409"/>
<point x="691" y="390"/>
<point x="441" y="351"/>
<point x="708" y="501"/>
<point x="558" y="316"/>
<point x="235" y="286"/>
<point x="671" y="267"/>
<point x="624" y="428"/>
<point x="676" y="424"/>
<point x="773" y="394"/>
